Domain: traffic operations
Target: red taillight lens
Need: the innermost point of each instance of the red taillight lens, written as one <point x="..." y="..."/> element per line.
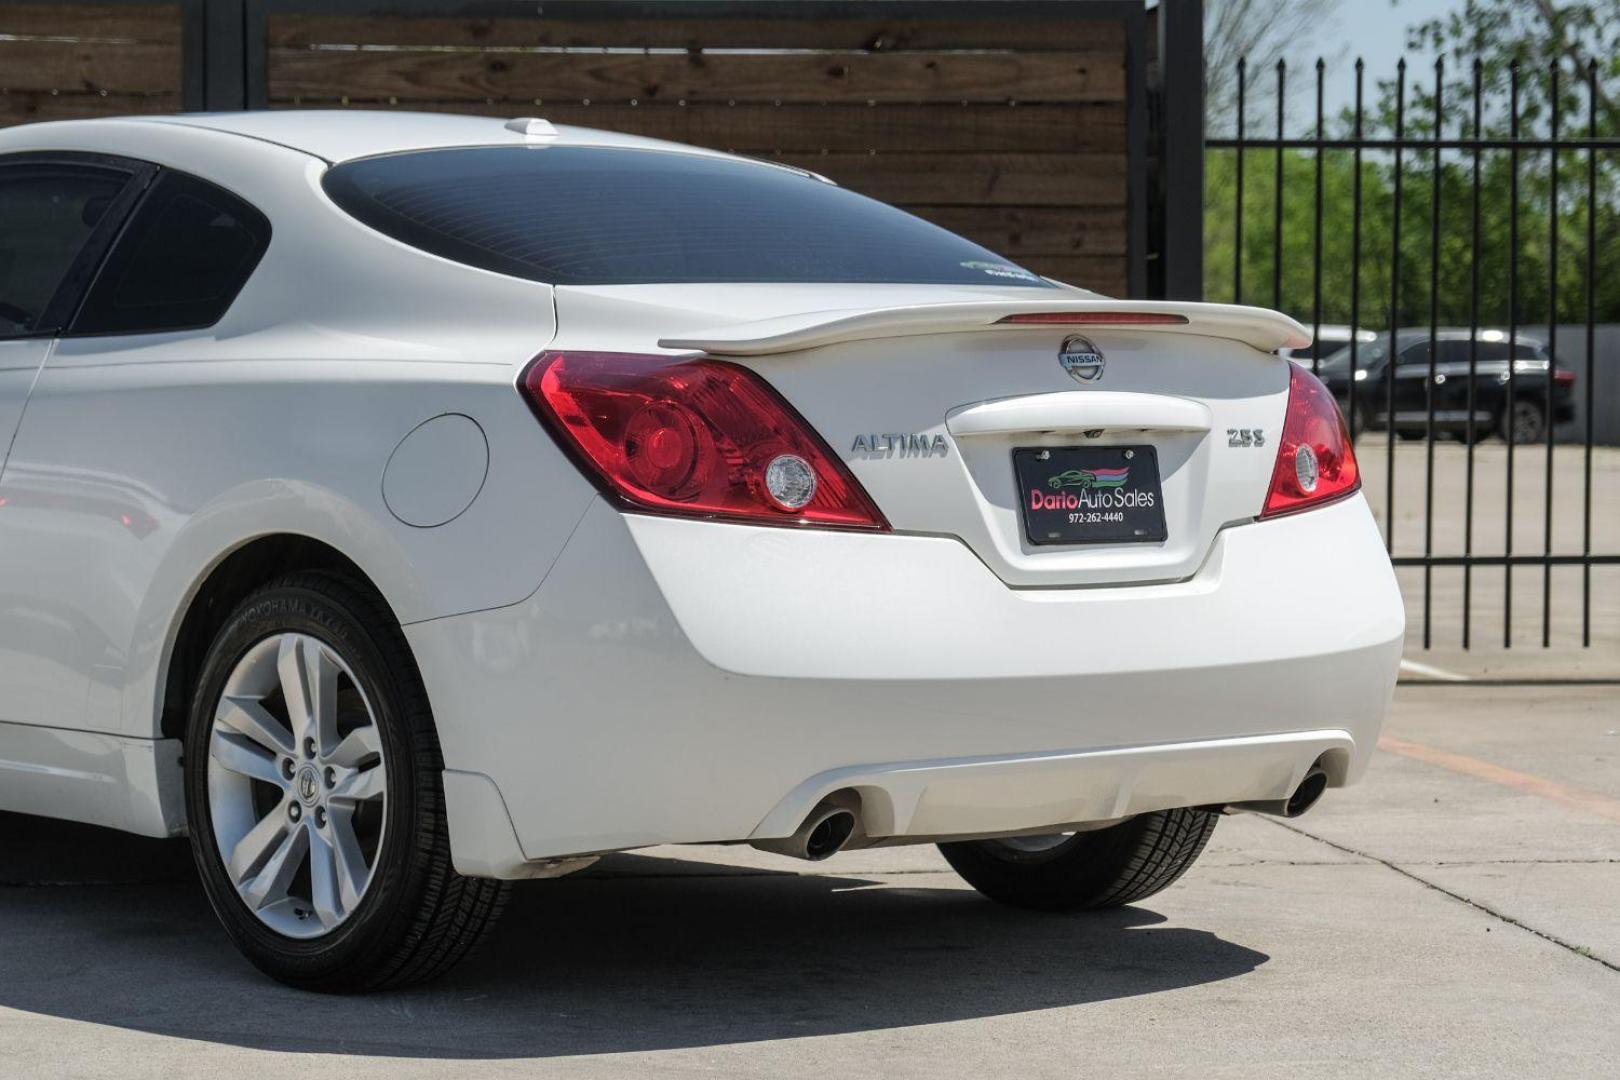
<point x="697" y="437"/>
<point x="1315" y="461"/>
<point x="1563" y="377"/>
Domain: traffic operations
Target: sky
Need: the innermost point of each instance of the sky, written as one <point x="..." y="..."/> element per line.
<point x="1375" y="30"/>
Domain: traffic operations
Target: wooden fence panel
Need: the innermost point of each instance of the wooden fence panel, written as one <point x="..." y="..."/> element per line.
<point x="66" y="61"/>
<point x="976" y="179"/>
<point x="318" y="76"/>
<point x="579" y="30"/>
<point x="159" y="23"/>
<point x="762" y="129"/>
<point x="1012" y="131"/>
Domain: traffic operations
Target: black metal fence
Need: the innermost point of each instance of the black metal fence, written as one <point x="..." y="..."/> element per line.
<point x="1465" y="215"/>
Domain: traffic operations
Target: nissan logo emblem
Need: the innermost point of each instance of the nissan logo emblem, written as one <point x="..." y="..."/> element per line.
<point x="1081" y="359"/>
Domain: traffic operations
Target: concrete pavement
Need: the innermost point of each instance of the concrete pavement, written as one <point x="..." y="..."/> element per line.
<point x="1455" y="915"/>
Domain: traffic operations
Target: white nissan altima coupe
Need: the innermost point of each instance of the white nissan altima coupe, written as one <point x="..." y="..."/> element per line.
<point x="402" y="505"/>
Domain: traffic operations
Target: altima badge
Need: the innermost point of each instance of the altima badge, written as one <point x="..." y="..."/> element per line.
<point x="900" y="444"/>
<point x="1081" y="358"/>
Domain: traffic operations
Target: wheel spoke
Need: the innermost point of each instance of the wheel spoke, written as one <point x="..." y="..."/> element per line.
<point x="352" y="872"/>
<point x="269" y="885"/>
<point x="323" y="694"/>
<point x="361" y="786"/>
<point x="251" y="852"/>
<point x="309" y="686"/>
<point x="324" y="876"/>
<point x="249" y="717"/>
<point x="356" y="747"/>
<point x="242" y="755"/>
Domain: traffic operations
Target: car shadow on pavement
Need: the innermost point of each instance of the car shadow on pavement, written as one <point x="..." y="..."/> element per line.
<point x="640" y="953"/>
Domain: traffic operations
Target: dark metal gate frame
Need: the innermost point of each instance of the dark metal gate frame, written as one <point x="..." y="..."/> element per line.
<point x="1475" y="145"/>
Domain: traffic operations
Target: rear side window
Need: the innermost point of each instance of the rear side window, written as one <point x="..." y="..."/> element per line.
<point x="1499" y="350"/>
<point x="47" y="213"/>
<point x="186" y="253"/>
<point x="1414" y="354"/>
<point x="573" y="215"/>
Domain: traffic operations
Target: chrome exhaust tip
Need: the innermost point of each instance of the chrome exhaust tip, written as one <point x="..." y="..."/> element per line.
<point x="1304" y="797"/>
<point x="825" y="831"/>
<point x="829" y="835"/>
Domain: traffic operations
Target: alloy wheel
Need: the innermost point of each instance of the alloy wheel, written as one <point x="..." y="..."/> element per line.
<point x="297" y="785"/>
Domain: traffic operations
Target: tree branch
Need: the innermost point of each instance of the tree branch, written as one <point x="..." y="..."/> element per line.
<point x="1569" y="50"/>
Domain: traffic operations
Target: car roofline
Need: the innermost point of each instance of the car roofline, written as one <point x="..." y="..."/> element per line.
<point x="181" y="120"/>
<point x="500" y="133"/>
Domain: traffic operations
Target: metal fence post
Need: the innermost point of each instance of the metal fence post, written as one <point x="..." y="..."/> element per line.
<point x="1181" y="153"/>
<point x="224" y="57"/>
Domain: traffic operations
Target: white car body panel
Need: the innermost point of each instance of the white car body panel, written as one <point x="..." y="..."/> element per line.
<point x="809" y="657"/>
<point x="1074" y="412"/>
<point x="100" y="779"/>
<point x="603" y="679"/>
<point x="20" y="362"/>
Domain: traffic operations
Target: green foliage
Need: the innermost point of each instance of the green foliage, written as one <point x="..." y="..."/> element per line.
<point x="1491" y="45"/>
<point x="1535" y="36"/>
<point x="1500" y="279"/>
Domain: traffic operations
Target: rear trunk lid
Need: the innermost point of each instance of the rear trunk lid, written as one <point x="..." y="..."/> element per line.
<point x="929" y="397"/>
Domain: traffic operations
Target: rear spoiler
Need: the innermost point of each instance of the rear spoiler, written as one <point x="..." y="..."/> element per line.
<point x="1264" y="330"/>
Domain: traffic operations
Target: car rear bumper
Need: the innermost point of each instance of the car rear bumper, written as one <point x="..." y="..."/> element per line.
<point x="676" y="681"/>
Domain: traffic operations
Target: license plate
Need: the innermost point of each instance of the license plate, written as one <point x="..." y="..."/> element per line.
<point x="1090" y="494"/>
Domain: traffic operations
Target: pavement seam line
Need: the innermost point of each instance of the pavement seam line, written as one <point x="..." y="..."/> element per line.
<point x="1578" y="950"/>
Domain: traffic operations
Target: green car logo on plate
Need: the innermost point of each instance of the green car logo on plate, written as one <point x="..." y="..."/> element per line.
<point x="1090" y="478"/>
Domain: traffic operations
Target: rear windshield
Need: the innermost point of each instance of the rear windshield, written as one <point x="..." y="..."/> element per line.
<point x="573" y="215"/>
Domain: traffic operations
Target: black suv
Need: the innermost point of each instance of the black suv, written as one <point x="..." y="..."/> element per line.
<point x="1448" y="391"/>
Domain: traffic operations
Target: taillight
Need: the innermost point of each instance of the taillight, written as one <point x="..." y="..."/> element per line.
<point x="1315" y="461"/>
<point x="1563" y="377"/>
<point x="696" y="437"/>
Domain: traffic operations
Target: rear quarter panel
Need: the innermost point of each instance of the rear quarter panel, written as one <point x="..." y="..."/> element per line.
<point x="143" y="460"/>
<point x="130" y="481"/>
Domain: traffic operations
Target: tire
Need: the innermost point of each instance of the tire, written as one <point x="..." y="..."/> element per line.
<point x="369" y="791"/>
<point x="1528" y="421"/>
<point x="1105" y="868"/>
